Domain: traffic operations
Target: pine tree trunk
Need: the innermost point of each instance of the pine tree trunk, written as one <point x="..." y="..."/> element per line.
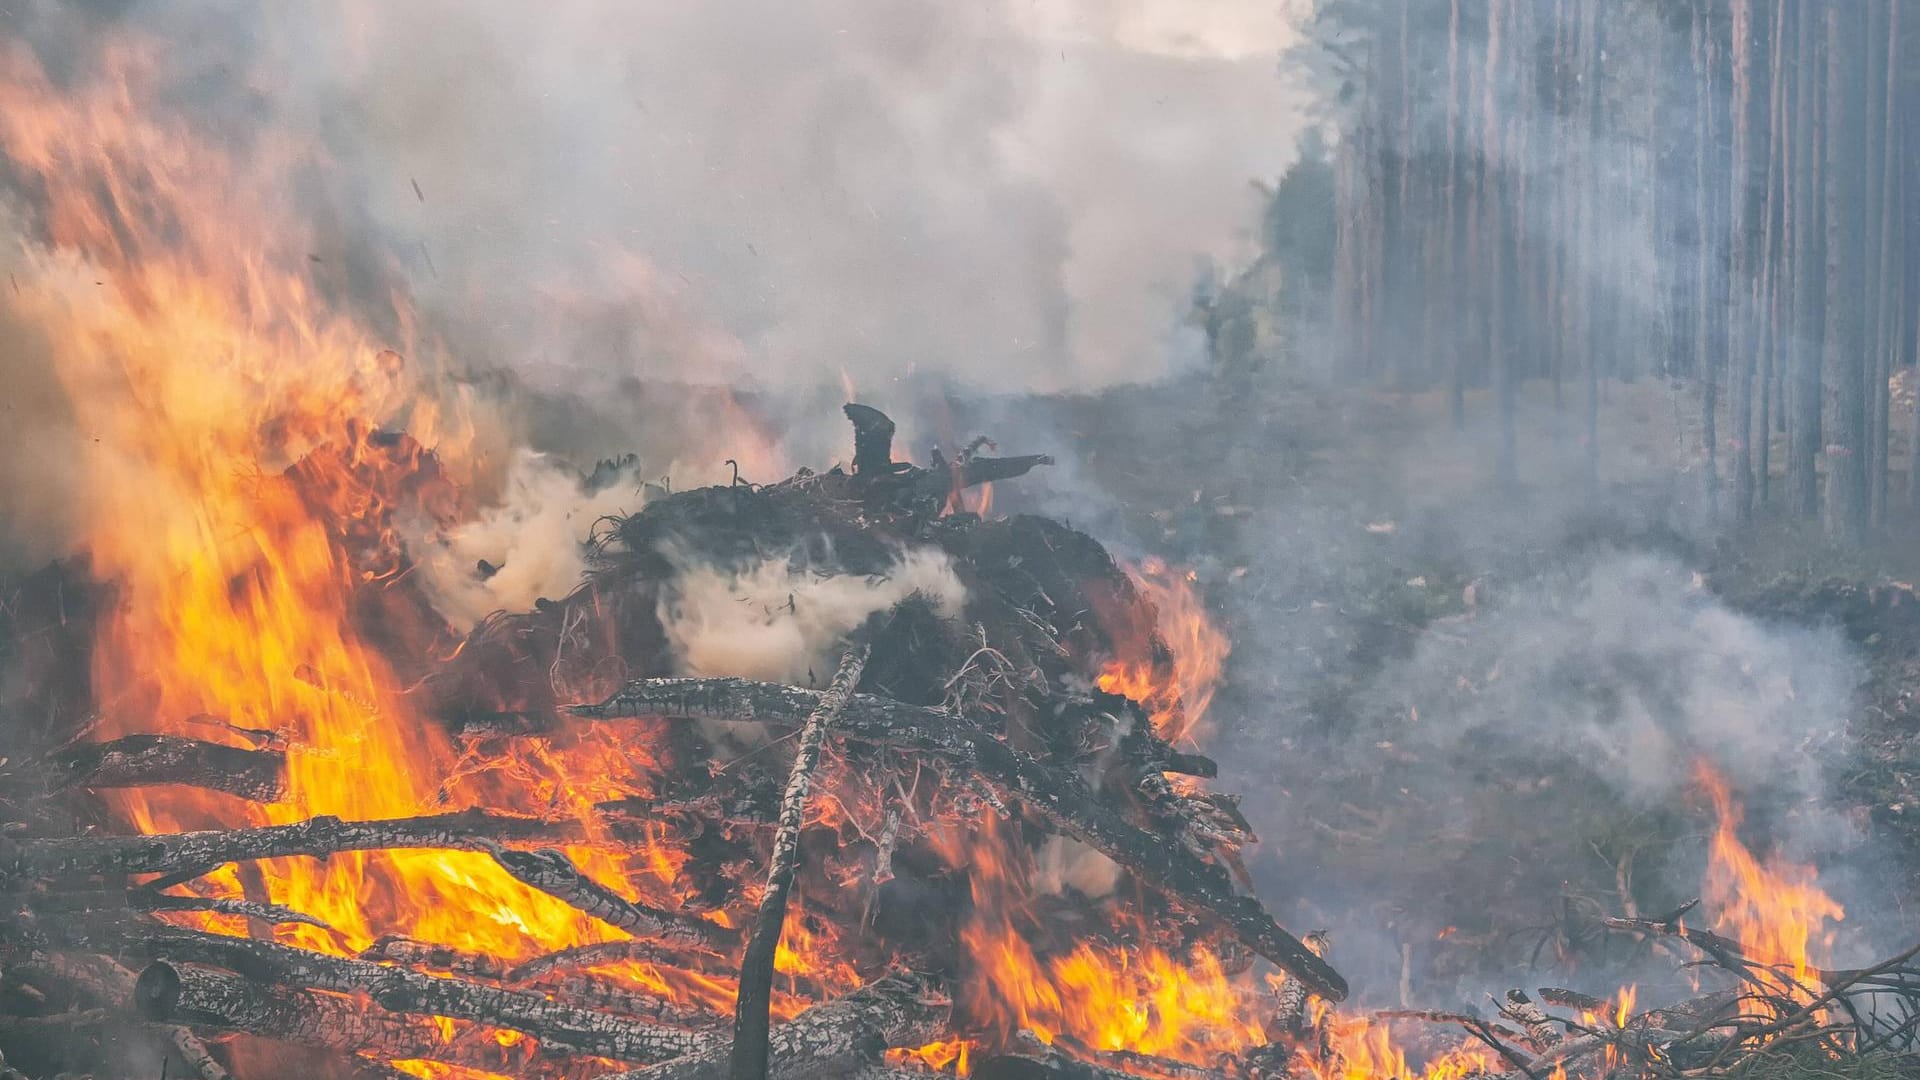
<point x="1846" y="508"/>
<point x="1808" y="316"/>
<point x="1704" y="298"/>
<point x="1457" y="389"/>
<point x="1497" y="353"/>
<point x="1740" y="356"/>
<point x="1881" y="368"/>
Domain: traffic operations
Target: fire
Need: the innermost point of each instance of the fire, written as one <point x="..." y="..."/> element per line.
<point x="1360" y="1048"/>
<point x="204" y="359"/>
<point x="1623" y="1005"/>
<point x="1775" y="909"/>
<point x="949" y="1056"/>
<point x="1178" y="699"/>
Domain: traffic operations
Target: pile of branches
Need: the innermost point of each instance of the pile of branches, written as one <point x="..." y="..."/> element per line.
<point x="928" y="723"/>
<point x="1766" y="1020"/>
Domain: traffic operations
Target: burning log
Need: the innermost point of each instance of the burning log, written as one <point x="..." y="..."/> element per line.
<point x="104" y="982"/>
<point x="755" y="995"/>
<point x="191" y="853"/>
<point x="613" y="952"/>
<point x="557" y="1026"/>
<point x="208" y="998"/>
<point x="551" y="872"/>
<point x="1540" y="1028"/>
<point x="832" y="1039"/>
<point x="425" y="954"/>
<point x="151" y="760"/>
<point x="588" y="992"/>
<point x="1057" y="795"/>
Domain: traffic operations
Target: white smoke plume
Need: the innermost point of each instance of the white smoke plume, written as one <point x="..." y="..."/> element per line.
<point x="533" y="540"/>
<point x="783" y="623"/>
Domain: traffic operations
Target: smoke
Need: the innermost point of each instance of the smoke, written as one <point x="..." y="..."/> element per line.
<point x="530" y="544"/>
<point x="781" y="622"/>
<point x="1627" y="666"/>
<point x="1006" y="193"/>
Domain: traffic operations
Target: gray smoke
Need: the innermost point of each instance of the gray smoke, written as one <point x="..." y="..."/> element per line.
<point x="769" y="193"/>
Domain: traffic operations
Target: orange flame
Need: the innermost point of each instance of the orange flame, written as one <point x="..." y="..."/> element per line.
<point x="202" y="357"/>
<point x="1775" y="909"/>
<point x="951" y="1056"/>
<point x="1176" y="700"/>
<point x="1361" y="1048"/>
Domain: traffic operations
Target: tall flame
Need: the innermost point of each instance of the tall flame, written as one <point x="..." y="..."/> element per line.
<point x="202" y="358"/>
<point x="1177" y="702"/>
<point x="1775" y="909"/>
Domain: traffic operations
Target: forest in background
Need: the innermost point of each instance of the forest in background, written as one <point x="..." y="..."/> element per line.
<point x="1562" y="194"/>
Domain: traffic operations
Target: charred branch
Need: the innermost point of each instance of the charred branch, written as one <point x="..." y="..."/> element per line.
<point x="833" y="1039"/>
<point x="153" y="760"/>
<point x="755" y="995"/>
<point x="551" y="872"/>
<point x="1058" y="796"/>
<point x="558" y="1027"/>
<point x="183" y="853"/>
<point x="212" y="999"/>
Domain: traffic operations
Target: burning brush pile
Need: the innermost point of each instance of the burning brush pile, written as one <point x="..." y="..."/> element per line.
<point x="938" y="843"/>
<point x="926" y="837"/>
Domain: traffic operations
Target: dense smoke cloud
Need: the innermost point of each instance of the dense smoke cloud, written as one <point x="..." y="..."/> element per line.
<point x="772" y="192"/>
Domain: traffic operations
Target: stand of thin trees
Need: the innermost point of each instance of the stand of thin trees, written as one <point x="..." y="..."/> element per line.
<point x="1576" y="191"/>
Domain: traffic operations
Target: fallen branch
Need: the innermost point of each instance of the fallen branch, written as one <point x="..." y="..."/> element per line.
<point x="556" y="1026"/>
<point x="1057" y="795"/>
<point x="178" y="854"/>
<point x="551" y="872"/>
<point x="151" y="760"/>
<point x="209" y="998"/>
<point x="755" y="994"/>
<point x="832" y="1039"/>
<point x="614" y="952"/>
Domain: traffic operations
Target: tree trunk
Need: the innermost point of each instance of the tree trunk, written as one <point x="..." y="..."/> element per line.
<point x="1741" y="278"/>
<point x="1846" y="505"/>
<point x="1808" y="315"/>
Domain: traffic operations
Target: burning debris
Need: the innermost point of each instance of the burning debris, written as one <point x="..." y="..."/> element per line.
<point x="631" y="834"/>
<point x="672" y="877"/>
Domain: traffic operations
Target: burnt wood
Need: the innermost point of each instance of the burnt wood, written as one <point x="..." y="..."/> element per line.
<point x="153" y="760"/>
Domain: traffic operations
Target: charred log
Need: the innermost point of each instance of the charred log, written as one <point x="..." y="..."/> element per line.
<point x="152" y="760"/>
<point x="872" y="440"/>
<point x="558" y="1027"/>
